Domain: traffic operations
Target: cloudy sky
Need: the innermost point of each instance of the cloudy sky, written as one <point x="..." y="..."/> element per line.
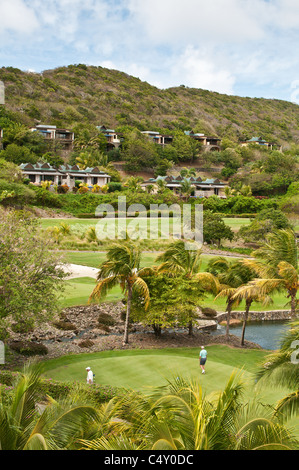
<point x="240" y="47"/>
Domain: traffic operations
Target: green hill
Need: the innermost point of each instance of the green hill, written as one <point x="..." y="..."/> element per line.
<point x="77" y="93"/>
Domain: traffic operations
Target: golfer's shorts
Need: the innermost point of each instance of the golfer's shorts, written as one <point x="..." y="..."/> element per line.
<point x="203" y="361"/>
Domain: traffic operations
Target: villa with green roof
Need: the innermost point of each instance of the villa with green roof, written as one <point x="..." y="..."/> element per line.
<point x="201" y="188"/>
<point x="262" y="142"/>
<point x="64" y="174"/>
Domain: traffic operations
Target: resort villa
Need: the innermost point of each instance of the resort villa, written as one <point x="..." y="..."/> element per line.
<point x="64" y="137"/>
<point x="64" y="174"/>
<point x="201" y="188"/>
<point x="262" y="142"/>
<point x="208" y="143"/>
<point x="113" y="138"/>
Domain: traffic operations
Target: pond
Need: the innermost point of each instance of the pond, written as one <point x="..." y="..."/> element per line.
<point x="265" y="333"/>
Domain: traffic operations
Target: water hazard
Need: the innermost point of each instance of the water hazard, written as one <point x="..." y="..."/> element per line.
<point x="267" y="334"/>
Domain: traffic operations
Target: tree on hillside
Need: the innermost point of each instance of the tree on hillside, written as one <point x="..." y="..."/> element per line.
<point x="186" y="148"/>
<point x="138" y="151"/>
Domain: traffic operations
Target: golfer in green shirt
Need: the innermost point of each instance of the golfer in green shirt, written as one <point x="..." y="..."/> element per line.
<point x="202" y="359"/>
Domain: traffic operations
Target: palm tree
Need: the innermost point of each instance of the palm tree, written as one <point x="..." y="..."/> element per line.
<point x="176" y="260"/>
<point x="133" y="183"/>
<point x="250" y="295"/>
<point x="280" y="368"/>
<point x="187" y="172"/>
<point x="186" y="188"/>
<point x="231" y="275"/>
<point x="276" y="264"/>
<point x="122" y="266"/>
<point x="25" y="426"/>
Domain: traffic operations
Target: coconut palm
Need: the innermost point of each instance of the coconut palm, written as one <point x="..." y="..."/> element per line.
<point x="177" y="260"/>
<point x="280" y="368"/>
<point x="249" y="295"/>
<point x="187" y="172"/>
<point x="231" y="275"/>
<point x="186" y="188"/>
<point x="276" y="264"/>
<point x="25" y="426"/>
<point x="122" y="266"/>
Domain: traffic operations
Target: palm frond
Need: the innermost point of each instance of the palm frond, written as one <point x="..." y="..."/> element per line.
<point x="102" y="288"/>
<point x="141" y="288"/>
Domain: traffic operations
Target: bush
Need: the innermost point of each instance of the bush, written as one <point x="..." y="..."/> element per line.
<point x="45" y="198"/>
<point x="114" y="186"/>
<point x="59" y="390"/>
<point x="28" y="348"/>
<point x="106" y="319"/>
<point x="22" y="194"/>
<point x="62" y="188"/>
<point x="87" y="343"/>
<point x="64" y="325"/>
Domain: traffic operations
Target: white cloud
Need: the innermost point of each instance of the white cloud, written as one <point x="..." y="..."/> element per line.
<point x="192" y="21"/>
<point x="217" y="45"/>
<point x="197" y="69"/>
<point x="17" y="17"/>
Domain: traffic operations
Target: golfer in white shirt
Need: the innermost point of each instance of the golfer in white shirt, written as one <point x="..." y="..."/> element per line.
<point x="89" y="378"/>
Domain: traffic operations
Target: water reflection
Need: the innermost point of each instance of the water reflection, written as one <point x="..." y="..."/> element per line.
<point x="265" y="333"/>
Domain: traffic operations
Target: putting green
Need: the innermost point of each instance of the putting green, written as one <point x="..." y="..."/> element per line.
<point x="144" y="369"/>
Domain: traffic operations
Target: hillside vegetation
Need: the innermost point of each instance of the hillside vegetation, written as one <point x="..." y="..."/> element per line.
<point x="77" y="93"/>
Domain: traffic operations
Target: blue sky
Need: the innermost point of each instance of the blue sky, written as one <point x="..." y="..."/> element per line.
<point x="237" y="47"/>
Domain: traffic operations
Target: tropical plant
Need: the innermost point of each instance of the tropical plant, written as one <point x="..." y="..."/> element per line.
<point x="276" y="263"/>
<point x="186" y="188"/>
<point x="187" y="172"/>
<point x="180" y="417"/>
<point x="280" y="368"/>
<point x="231" y="275"/>
<point x="122" y="266"/>
<point x="249" y="295"/>
<point x="26" y="425"/>
<point x="179" y="261"/>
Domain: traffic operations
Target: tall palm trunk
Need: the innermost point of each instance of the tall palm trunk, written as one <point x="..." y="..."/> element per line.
<point x="129" y="301"/>
<point x="228" y="312"/>
<point x="293" y="295"/>
<point x="248" y="305"/>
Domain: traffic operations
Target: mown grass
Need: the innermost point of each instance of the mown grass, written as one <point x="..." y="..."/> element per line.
<point x="144" y="369"/>
<point x="78" y="290"/>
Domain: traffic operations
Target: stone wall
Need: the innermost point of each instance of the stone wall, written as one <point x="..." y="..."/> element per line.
<point x="258" y="316"/>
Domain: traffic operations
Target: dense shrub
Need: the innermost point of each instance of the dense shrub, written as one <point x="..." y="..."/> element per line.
<point x="64" y="325"/>
<point x="106" y="319"/>
<point x="238" y="204"/>
<point x="59" y="390"/>
<point x="22" y="194"/>
<point x="86" y="343"/>
<point x="28" y="348"/>
<point x="45" y="198"/>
